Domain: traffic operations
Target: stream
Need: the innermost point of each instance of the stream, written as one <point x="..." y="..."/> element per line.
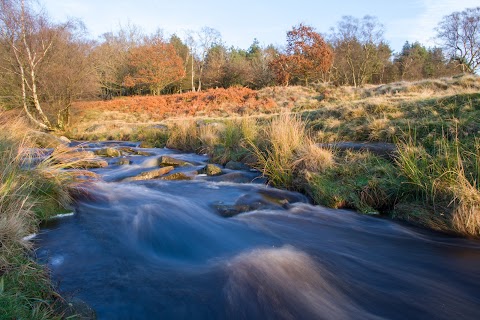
<point x="230" y="247"/>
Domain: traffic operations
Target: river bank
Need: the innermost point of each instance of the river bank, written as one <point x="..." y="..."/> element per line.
<point x="431" y="180"/>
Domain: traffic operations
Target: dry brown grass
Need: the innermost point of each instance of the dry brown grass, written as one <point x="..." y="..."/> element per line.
<point x="313" y="158"/>
<point x="184" y="135"/>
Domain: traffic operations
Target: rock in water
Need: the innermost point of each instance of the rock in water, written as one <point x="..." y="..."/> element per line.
<point x="151" y="174"/>
<point x="123" y="162"/>
<point x="177" y="176"/>
<point x="211" y="170"/>
<point x="108" y="152"/>
<point x="169" y="161"/>
<point x="235" y="165"/>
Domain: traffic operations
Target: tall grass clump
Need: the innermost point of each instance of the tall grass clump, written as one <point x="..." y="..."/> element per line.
<point x="286" y="154"/>
<point x="278" y="149"/>
<point x="28" y="194"/>
<point x="444" y="179"/>
<point x="184" y="135"/>
<point x="232" y="140"/>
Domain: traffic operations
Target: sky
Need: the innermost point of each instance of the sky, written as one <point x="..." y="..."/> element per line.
<point x="240" y="22"/>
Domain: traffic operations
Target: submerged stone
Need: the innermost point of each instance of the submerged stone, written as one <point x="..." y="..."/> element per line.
<point x="123" y="162"/>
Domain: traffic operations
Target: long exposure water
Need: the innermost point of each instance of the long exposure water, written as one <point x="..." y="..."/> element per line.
<point x="163" y="249"/>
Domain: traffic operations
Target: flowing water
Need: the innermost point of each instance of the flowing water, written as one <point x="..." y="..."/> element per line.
<point x="177" y="250"/>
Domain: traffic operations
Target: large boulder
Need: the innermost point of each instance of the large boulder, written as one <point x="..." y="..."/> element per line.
<point x="149" y="175"/>
<point x="169" y="161"/>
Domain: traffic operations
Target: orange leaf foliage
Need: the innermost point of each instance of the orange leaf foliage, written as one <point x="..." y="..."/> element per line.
<point x="154" y="65"/>
<point x="306" y="57"/>
<point x="212" y="102"/>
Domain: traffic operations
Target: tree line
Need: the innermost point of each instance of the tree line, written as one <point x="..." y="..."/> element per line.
<point x="45" y="66"/>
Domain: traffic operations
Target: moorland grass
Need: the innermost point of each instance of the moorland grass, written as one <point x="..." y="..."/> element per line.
<point x="28" y="195"/>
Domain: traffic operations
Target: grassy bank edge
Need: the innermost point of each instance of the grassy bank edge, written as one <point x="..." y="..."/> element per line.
<point x="432" y="183"/>
<point x="28" y="195"/>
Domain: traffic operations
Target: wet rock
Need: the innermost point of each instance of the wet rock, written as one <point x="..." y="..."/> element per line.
<point x="177" y="176"/>
<point x="149" y="175"/>
<point x="211" y="170"/>
<point x="130" y="150"/>
<point x="235" y="165"/>
<point x="228" y="211"/>
<point x="90" y="164"/>
<point x="169" y="161"/>
<point x="263" y="199"/>
<point x="123" y="162"/>
<point x="255" y="201"/>
<point x="282" y="197"/>
<point x="75" y="309"/>
<point x="108" y="152"/>
<point x="237" y="177"/>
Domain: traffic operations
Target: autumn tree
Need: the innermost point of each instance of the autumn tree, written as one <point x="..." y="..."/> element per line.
<point x="153" y="65"/>
<point x="459" y="33"/>
<point x="361" y="54"/>
<point x="306" y="57"/>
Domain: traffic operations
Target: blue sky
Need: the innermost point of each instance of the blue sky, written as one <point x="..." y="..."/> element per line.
<point x="240" y="22"/>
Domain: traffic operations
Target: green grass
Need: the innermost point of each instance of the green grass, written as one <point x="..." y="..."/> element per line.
<point x="359" y="181"/>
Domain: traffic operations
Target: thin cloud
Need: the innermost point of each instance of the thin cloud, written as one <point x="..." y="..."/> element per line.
<point x="434" y="11"/>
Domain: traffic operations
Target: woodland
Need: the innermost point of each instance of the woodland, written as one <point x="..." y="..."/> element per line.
<point x="46" y="66"/>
